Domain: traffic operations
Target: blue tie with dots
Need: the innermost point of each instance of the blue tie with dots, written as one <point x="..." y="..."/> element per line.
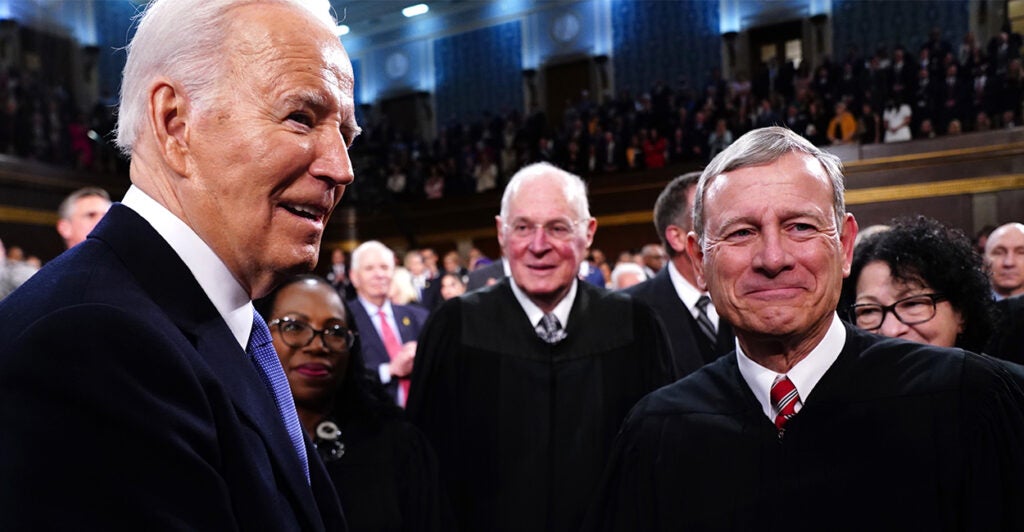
<point x="261" y="349"/>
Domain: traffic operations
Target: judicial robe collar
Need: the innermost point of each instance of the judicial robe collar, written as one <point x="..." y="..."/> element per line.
<point x="534" y="313"/>
<point x="804" y="375"/>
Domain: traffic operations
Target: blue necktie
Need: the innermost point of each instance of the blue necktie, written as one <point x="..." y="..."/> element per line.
<point x="261" y="349"/>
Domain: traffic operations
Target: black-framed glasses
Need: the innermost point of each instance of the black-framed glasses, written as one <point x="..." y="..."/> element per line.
<point x="909" y="310"/>
<point x="298" y="334"/>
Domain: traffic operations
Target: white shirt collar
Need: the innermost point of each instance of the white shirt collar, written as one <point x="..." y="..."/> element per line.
<point x="689" y="294"/>
<point x="372" y="309"/>
<point x="213" y="276"/>
<point x="534" y="313"/>
<point x="804" y="375"/>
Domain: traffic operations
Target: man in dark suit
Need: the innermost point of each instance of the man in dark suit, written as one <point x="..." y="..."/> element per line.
<point x="138" y="389"/>
<point x="520" y="386"/>
<point x="811" y="424"/>
<point x="387" y="332"/>
<point x="695" y="331"/>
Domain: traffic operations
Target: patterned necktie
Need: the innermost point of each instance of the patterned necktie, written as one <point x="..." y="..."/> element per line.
<point x="550" y="329"/>
<point x="393" y="346"/>
<point x="261" y="350"/>
<point x="704" y="322"/>
<point x="785" y="400"/>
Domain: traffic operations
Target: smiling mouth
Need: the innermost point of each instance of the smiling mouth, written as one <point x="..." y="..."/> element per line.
<point x="314" y="370"/>
<point x="308" y="212"/>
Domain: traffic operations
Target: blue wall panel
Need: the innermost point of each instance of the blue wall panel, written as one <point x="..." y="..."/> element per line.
<point x="664" y="40"/>
<point x="866" y="25"/>
<point x="478" y="71"/>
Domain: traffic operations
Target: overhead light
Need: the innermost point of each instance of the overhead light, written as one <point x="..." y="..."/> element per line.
<point x="415" y="10"/>
<point x="342" y="29"/>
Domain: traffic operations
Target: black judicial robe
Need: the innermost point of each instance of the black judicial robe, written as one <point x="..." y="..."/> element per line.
<point x="522" y="428"/>
<point x="895" y="436"/>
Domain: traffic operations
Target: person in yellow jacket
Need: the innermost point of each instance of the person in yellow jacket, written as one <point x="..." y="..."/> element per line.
<point x="843" y="127"/>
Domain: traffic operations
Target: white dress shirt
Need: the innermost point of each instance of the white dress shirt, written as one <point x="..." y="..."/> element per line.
<point x="213" y="276"/>
<point x="804" y="375"/>
<point x="689" y="294"/>
<point x="534" y="313"/>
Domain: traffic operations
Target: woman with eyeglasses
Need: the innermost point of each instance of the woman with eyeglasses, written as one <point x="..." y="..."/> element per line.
<point x="921" y="281"/>
<point x="382" y="466"/>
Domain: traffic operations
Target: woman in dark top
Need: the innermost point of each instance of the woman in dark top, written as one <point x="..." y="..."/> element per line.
<point x="922" y="281"/>
<point x="383" y="468"/>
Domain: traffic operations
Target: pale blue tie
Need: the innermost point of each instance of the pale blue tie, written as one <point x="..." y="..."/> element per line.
<point x="261" y="349"/>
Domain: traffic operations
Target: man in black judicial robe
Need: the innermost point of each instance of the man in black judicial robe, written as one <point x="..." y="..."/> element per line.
<point x="522" y="425"/>
<point x="869" y="433"/>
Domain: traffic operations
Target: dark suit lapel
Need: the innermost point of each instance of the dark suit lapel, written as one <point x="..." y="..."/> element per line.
<point x="162" y="274"/>
<point x="408" y="328"/>
<point x="679" y="324"/>
<point x="374" y="353"/>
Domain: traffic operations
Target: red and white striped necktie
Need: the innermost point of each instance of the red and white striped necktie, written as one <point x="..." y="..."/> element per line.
<point x="785" y="400"/>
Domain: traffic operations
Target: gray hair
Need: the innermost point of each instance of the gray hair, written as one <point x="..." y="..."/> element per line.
<point x="626" y="268"/>
<point x="765" y="146"/>
<point x="671" y="208"/>
<point x="68" y="205"/>
<point x="184" y="40"/>
<point x="357" y="254"/>
<point x="573" y="187"/>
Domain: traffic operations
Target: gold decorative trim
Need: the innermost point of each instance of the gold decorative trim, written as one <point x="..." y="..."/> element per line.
<point x="21" y="215"/>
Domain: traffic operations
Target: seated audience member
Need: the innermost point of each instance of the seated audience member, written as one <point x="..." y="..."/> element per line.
<point x="627" y="274"/>
<point x="402" y="291"/>
<point x="1007" y="341"/>
<point x="652" y="259"/>
<point x="80" y="212"/>
<point x="452" y="286"/>
<point x="812" y="424"/>
<point x="842" y="129"/>
<point x="382" y="466"/>
<point x="13" y="273"/>
<point x="897" y="117"/>
<point x="921" y="281"/>
<point x="1004" y="253"/>
<point x="390" y="331"/>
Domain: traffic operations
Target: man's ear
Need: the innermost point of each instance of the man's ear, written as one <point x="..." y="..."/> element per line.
<point x="168" y="117"/>
<point x="696" y="253"/>
<point x="675" y="237"/>
<point x="64" y="228"/>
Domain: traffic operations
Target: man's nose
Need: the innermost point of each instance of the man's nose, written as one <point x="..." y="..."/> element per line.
<point x="332" y="161"/>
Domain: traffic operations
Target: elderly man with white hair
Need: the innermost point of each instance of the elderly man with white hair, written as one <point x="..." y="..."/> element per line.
<point x="520" y="386"/>
<point x="138" y="387"/>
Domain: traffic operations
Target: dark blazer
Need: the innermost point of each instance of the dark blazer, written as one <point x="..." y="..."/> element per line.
<point x="125" y="401"/>
<point x="478" y="278"/>
<point x="689" y="352"/>
<point x="410" y="320"/>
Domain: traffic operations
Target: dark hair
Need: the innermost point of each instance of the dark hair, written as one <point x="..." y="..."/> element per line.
<point x="923" y="250"/>
<point x="671" y="209"/>
<point x="360" y="395"/>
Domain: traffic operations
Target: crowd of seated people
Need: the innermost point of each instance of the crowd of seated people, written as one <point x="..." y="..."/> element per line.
<point x="890" y="95"/>
<point x="40" y="121"/>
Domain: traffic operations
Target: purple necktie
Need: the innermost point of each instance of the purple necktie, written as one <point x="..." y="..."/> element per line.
<point x="261" y="349"/>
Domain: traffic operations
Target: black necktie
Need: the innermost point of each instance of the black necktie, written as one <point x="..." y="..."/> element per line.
<point x="704" y="321"/>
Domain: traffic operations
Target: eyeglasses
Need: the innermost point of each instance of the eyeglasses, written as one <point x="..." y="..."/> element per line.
<point x="909" y="310"/>
<point x="555" y="229"/>
<point x="298" y="334"/>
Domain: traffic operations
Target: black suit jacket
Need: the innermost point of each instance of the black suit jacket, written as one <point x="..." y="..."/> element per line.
<point x="478" y="278"/>
<point x="125" y="401"/>
<point x="689" y="352"/>
<point x="410" y="319"/>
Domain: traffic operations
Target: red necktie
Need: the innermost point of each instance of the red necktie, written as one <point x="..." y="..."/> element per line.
<point x="393" y="347"/>
<point x="784" y="400"/>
